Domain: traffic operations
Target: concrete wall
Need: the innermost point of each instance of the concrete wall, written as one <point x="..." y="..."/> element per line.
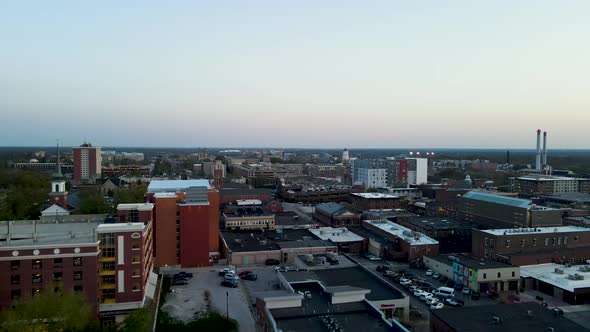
<point x="436" y="266"/>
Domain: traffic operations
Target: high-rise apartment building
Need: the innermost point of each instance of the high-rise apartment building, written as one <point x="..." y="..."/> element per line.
<point x="87" y="163"/>
<point x="186" y="222"/>
<point x="390" y="172"/>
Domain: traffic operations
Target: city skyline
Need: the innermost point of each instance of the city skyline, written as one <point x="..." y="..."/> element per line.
<point x="340" y="74"/>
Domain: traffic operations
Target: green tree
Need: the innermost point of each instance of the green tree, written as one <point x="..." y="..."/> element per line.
<point x="92" y="202"/>
<point x="138" y="320"/>
<point x="129" y="195"/>
<point x="49" y="311"/>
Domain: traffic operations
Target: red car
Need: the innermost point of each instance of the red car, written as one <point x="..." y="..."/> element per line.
<point x="243" y="273"/>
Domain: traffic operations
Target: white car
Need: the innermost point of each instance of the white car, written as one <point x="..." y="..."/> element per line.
<point x="466" y="291"/>
<point x="413" y="288"/>
<point x="404" y="281"/>
<point x="432" y="300"/>
<point x="425" y="296"/>
<point x="418" y="292"/>
<point x="429" y="272"/>
<point x="437" y="305"/>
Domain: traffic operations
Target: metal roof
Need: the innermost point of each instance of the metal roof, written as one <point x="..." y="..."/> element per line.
<point x="497" y="199"/>
<point x="174" y="185"/>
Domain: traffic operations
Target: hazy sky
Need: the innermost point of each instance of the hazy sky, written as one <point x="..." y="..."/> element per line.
<point x="295" y="73"/>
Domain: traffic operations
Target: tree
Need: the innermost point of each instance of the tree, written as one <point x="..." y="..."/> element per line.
<point x="49" y="311"/>
<point x="129" y="195"/>
<point x="92" y="202"/>
<point x="138" y="320"/>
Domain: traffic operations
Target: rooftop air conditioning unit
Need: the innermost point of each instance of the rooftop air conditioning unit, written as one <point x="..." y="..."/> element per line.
<point x="558" y="270"/>
<point x="579" y="276"/>
<point x="571" y="277"/>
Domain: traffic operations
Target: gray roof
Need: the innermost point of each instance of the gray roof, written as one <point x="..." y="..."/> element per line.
<point x="497" y="199"/>
<point x="28" y="232"/>
<point x="329" y="208"/>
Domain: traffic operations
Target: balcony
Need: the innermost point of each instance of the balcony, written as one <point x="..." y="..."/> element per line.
<point x="108" y="301"/>
<point x="106" y="259"/>
<point x="108" y="286"/>
<point x="107" y="273"/>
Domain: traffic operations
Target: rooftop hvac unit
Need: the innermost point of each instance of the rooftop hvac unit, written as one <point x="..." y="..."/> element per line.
<point x="578" y="276"/>
<point x="558" y="270"/>
<point x="571" y="277"/>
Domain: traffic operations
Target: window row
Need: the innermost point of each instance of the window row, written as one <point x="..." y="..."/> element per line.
<point x="37" y="264"/>
<point x="37" y="278"/>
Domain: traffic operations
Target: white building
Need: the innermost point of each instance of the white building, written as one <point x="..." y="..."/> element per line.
<point x="417" y="170"/>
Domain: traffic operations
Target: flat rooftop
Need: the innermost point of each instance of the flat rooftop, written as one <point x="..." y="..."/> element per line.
<point x="436" y="223"/>
<point x="411" y="237"/>
<point x="349" y="276"/>
<point x="577" y="197"/>
<point x="31" y="233"/>
<point x="120" y="227"/>
<point x="312" y="315"/>
<point x="548" y="178"/>
<point x="513" y="318"/>
<point x="546" y="273"/>
<point x="537" y="230"/>
<point x="246" y="211"/>
<point x="176" y="185"/>
<point x="336" y="235"/>
<point x="376" y="196"/>
<point x="136" y="206"/>
<point x="474" y="263"/>
<point x="251" y="240"/>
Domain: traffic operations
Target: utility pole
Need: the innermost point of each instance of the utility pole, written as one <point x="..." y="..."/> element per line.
<point x="227" y="305"/>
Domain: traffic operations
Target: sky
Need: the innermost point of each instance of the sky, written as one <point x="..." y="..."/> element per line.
<point x="423" y="74"/>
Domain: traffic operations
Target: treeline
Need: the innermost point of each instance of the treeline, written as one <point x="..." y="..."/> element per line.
<point x="22" y="193"/>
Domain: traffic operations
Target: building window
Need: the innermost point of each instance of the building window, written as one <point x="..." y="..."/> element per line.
<point x="57" y="262"/>
<point x="507" y="243"/>
<point x="136" y="273"/>
<point x="15" y="294"/>
<point x="499" y="274"/>
<point x="108" y="252"/>
<point x="522" y="242"/>
<point x="107" y="239"/>
<point x="15" y="265"/>
<point x="15" y="279"/>
<point x="135" y="260"/>
<point x="135" y="245"/>
<point x="485" y="276"/>
<point x="576" y="238"/>
<point x="57" y="276"/>
<point x="77" y="261"/>
<point x="78" y="288"/>
<point x="565" y="240"/>
<point x="37" y="278"/>
<point x="136" y="288"/>
<point x="35" y="291"/>
<point x="108" y="280"/>
<point x="513" y="274"/>
<point x="534" y="242"/>
<point x="546" y="241"/>
<point x="37" y="264"/>
<point x="108" y="266"/>
<point x="77" y="275"/>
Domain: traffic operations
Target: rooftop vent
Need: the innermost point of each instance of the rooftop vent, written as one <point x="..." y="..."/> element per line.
<point x="558" y="270"/>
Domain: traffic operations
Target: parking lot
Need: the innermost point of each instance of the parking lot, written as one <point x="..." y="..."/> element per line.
<point x="184" y="301"/>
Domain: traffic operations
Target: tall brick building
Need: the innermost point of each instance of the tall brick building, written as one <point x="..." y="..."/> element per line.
<point x="87" y="163"/>
<point x="186" y="222"/>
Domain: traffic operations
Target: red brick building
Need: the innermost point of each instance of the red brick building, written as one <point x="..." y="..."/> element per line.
<point x="375" y="201"/>
<point x="186" y="222"/>
<point x="87" y="163"/>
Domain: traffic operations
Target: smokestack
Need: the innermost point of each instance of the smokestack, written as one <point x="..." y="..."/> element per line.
<point x="508" y="157"/>
<point x="544" y="148"/>
<point x="538" y="158"/>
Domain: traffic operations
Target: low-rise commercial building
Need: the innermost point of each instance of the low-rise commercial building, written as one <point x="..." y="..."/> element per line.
<point x="310" y="190"/>
<point x="480" y="275"/>
<point x="527" y="246"/>
<point x="375" y="201"/>
<point x="334" y="214"/>
<point x="549" y="185"/>
<point x="453" y="235"/>
<point x="248" y="218"/>
<point x="496" y="211"/>
<point x="517" y="317"/>
<point x="347" y="241"/>
<point x="569" y="283"/>
<point x="407" y="244"/>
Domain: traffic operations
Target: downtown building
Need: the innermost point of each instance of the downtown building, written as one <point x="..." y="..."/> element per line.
<point x="390" y="172"/>
<point x="87" y="163"/>
<point x="549" y="185"/>
<point x="186" y="222"/>
<point x="109" y="263"/>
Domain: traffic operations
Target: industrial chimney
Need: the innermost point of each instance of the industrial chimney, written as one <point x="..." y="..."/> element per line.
<point x="544" y="148"/>
<point x="538" y="157"/>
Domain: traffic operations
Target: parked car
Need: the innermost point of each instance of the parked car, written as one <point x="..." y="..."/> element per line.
<point x="404" y="281"/>
<point x="250" y="276"/>
<point x="475" y="296"/>
<point x="281" y="268"/>
<point x="436" y="275"/>
<point x="437" y="305"/>
<point x="272" y="262"/>
<point x="183" y="274"/>
<point x="382" y="268"/>
<point x="413" y="288"/>
<point x="229" y="283"/>
<point x="466" y="291"/>
<point x="243" y="273"/>
<point x="453" y="303"/>
<point x="418" y="292"/>
<point x="429" y="272"/>
<point x="179" y="282"/>
<point x="425" y="296"/>
<point x="230" y="276"/>
<point x="224" y="271"/>
<point x="443" y="280"/>
<point x="432" y="300"/>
